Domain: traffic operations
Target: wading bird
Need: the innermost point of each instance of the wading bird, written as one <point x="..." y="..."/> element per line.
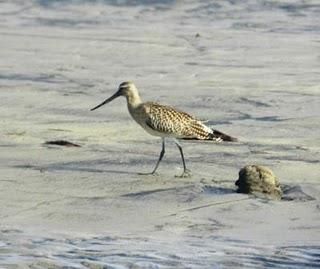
<point x="165" y="121"/>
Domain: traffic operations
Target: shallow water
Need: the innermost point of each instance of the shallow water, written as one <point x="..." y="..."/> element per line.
<point x="250" y="68"/>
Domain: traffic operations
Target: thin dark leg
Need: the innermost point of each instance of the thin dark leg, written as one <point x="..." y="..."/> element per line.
<point x="159" y="160"/>
<point x="160" y="157"/>
<point x="186" y="172"/>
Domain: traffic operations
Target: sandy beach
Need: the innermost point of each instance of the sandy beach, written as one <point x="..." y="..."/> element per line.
<point x="248" y="68"/>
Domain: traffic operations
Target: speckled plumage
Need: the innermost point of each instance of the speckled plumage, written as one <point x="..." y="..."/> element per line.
<point x="165" y="121"/>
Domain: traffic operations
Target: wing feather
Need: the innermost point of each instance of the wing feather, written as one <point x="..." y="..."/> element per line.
<point x="173" y="122"/>
<point x="168" y="121"/>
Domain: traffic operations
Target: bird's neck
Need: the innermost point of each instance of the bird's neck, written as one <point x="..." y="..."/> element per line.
<point x="133" y="100"/>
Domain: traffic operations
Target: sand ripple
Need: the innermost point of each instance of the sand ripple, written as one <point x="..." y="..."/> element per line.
<point x="22" y="251"/>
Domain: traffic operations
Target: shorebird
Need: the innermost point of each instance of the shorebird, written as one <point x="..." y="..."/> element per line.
<point x="165" y="122"/>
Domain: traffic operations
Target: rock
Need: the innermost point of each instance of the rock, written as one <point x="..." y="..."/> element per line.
<point x="256" y="179"/>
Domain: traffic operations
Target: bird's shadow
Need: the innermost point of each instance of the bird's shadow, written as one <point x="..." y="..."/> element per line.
<point x="140" y="194"/>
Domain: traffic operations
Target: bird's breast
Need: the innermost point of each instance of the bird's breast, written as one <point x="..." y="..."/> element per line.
<point x="140" y="115"/>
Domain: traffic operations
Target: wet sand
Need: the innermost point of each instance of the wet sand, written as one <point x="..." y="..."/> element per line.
<point x="250" y="69"/>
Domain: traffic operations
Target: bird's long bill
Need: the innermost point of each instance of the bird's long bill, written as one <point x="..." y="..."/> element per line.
<point x="117" y="94"/>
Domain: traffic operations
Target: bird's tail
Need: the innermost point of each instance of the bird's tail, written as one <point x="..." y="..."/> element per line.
<point x="198" y="131"/>
<point x="217" y="135"/>
<point x="214" y="135"/>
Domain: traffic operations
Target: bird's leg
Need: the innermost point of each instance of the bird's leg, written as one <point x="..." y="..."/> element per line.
<point x="186" y="172"/>
<point x="160" y="157"/>
<point x="159" y="160"/>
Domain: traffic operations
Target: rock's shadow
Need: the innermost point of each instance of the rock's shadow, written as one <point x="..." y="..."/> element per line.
<point x="295" y="193"/>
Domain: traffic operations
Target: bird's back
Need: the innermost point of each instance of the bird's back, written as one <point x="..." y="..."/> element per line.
<point x="166" y="121"/>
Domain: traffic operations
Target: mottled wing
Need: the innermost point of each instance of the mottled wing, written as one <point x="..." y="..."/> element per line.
<point x="172" y="122"/>
<point x="166" y="119"/>
<point x="197" y="130"/>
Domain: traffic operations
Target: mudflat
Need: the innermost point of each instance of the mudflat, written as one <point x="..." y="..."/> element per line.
<point x="250" y="69"/>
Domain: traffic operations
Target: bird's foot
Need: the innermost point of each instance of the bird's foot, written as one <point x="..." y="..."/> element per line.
<point x="186" y="173"/>
<point x="148" y="174"/>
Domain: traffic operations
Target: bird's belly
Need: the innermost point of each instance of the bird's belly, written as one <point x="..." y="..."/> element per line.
<point x="153" y="132"/>
<point x="162" y="134"/>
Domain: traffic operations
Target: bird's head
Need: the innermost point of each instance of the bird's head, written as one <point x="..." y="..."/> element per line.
<point x="127" y="89"/>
